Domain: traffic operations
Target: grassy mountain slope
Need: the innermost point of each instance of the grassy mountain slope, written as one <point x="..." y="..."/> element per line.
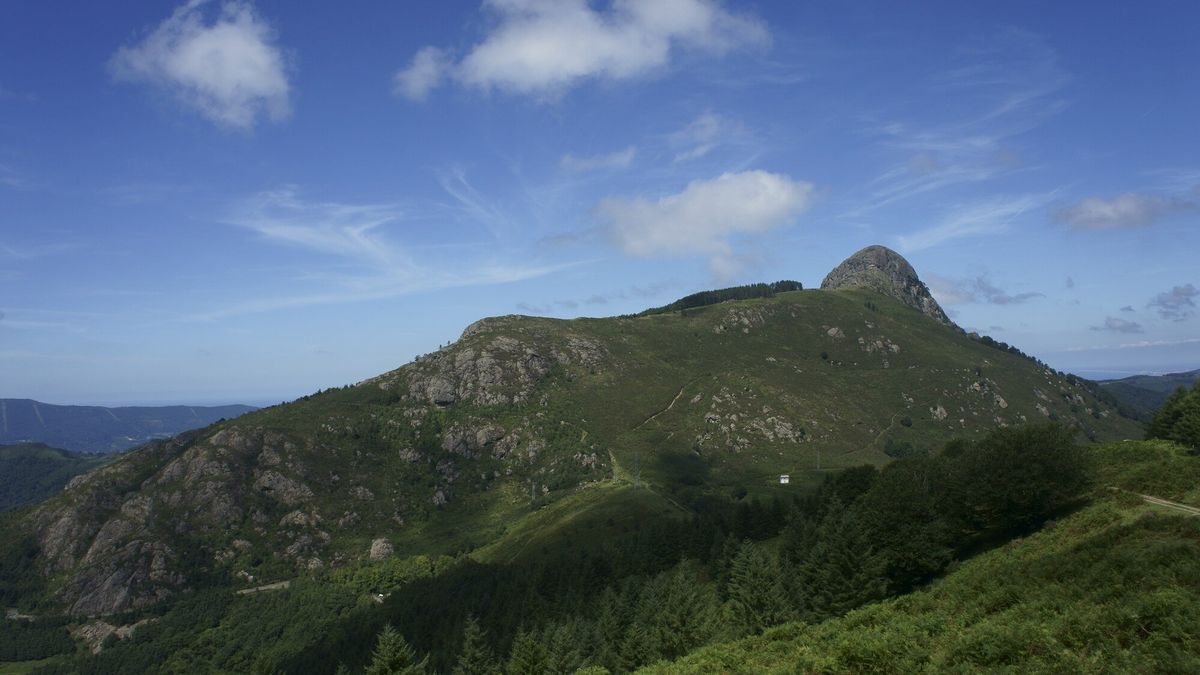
<point x="1113" y="587"/>
<point x="32" y="472"/>
<point x="448" y="453"/>
<point x="82" y="428"/>
<point x="1145" y="394"/>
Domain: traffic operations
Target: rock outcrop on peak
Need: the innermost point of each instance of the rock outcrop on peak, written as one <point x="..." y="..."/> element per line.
<point x="882" y="270"/>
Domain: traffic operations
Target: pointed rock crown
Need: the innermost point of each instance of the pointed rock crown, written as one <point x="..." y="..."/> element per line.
<point x="882" y="270"/>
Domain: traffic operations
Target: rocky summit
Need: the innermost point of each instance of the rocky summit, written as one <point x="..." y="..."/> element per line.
<point x="882" y="270"/>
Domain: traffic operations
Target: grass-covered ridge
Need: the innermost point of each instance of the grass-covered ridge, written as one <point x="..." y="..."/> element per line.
<point x="452" y="452"/>
<point x="1112" y="587"/>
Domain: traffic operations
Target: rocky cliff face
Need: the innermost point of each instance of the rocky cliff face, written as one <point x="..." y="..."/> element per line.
<point x="882" y="270"/>
<point x="301" y="484"/>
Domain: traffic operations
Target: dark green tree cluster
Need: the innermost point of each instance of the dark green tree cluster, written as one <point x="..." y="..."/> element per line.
<point x="32" y="640"/>
<point x="705" y="298"/>
<point x="19" y="579"/>
<point x="394" y="656"/>
<point x="1179" y="418"/>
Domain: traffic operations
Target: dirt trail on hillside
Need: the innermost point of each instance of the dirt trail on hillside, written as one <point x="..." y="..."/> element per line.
<point x="277" y="586"/>
<point x="669" y="406"/>
<point x="1159" y="501"/>
<point x="1183" y="508"/>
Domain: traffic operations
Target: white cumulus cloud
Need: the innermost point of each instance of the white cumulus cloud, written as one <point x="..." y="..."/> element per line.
<point x="426" y="70"/>
<point x="544" y="47"/>
<point x="702" y="218"/>
<point x="224" y="62"/>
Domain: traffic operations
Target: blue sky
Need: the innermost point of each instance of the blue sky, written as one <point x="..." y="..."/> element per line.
<point x="235" y="201"/>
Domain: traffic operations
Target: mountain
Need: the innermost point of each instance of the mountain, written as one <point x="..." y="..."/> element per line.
<point x="884" y="271"/>
<point x="1144" y="394"/>
<point x="83" y="428"/>
<point x="526" y="426"/>
<point x="32" y="472"/>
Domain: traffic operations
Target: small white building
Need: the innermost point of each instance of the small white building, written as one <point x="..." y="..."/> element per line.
<point x="784" y="479"/>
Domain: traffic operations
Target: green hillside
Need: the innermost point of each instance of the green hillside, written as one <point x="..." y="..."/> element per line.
<point x="446" y="454"/>
<point x="1110" y="585"/>
<point x="1113" y="587"/>
<point x="32" y="472"/>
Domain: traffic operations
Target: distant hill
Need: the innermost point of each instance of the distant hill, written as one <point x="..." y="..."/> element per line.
<point x="1144" y="394"/>
<point x="32" y="472"/>
<point x="97" y="429"/>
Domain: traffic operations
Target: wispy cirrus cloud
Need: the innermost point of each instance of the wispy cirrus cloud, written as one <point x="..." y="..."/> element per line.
<point x="621" y="159"/>
<point x="1005" y="84"/>
<point x="356" y="235"/>
<point x="545" y="47"/>
<point x="382" y="288"/>
<point x="702" y="135"/>
<point x="472" y="205"/>
<point x="224" y="62"/>
<point x="347" y="230"/>
<point x="982" y="218"/>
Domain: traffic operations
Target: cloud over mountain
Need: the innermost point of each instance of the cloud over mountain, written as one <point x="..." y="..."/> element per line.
<point x="701" y="219"/>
